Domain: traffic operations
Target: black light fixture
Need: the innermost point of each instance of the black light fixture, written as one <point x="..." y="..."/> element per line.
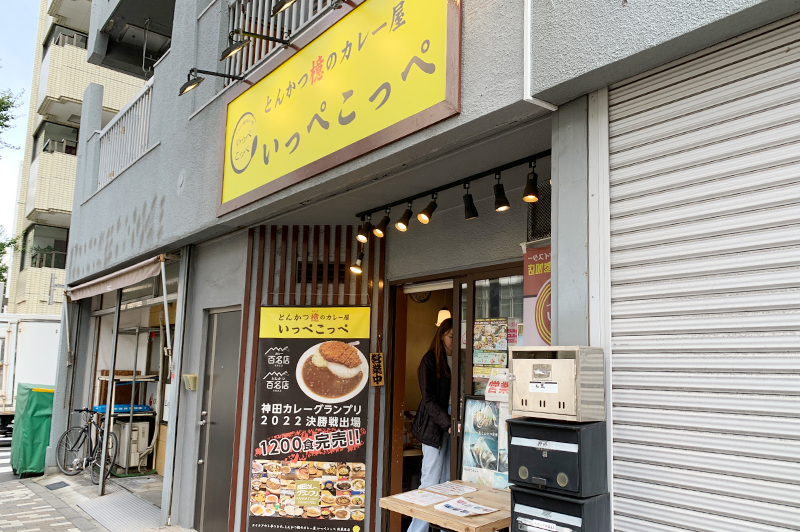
<point x="427" y="213"/>
<point x="234" y="47"/>
<point x="500" y="200"/>
<point x="281" y="5"/>
<point x="402" y="223"/>
<point x="470" y="211"/>
<point x="366" y="228"/>
<point x="356" y="268"/>
<point x="380" y="229"/>
<point x="531" y="193"/>
<point x="193" y="80"/>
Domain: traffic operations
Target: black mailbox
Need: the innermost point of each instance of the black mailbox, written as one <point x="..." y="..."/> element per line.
<point x="535" y="510"/>
<point x="563" y="457"/>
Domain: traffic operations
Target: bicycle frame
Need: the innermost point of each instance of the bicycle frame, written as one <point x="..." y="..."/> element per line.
<point x="94" y="443"/>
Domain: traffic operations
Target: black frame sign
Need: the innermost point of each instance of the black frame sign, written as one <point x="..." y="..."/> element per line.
<point x="309" y="419"/>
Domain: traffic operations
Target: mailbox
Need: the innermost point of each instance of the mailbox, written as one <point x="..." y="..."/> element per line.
<point x="537" y="511"/>
<point x="565" y="383"/>
<point x="558" y="456"/>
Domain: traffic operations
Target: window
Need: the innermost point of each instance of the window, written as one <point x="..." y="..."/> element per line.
<point x="44" y="247"/>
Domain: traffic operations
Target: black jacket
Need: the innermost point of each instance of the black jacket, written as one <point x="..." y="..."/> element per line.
<point x="432" y="420"/>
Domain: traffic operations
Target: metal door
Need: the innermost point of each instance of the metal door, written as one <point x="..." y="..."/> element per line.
<point x="705" y="289"/>
<point x="217" y="421"/>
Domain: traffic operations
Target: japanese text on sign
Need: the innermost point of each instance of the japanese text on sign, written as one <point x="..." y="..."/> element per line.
<point x="381" y="65"/>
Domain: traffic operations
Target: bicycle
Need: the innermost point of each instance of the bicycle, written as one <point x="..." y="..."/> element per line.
<point x="77" y="450"/>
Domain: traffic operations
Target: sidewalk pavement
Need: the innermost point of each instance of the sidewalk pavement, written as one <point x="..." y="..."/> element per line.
<point x="28" y="505"/>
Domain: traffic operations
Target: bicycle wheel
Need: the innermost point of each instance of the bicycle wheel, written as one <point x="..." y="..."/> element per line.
<point x="111" y="449"/>
<point x="71" y="451"/>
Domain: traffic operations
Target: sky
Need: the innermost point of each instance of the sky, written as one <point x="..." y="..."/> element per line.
<point x="17" y="41"/>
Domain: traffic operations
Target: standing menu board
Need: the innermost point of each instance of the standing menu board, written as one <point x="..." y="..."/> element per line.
<point x="308" y="462"/>
<point x="485" y="450"/>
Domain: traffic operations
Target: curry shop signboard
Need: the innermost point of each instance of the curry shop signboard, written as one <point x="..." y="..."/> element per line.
<point x="380" y="71"/>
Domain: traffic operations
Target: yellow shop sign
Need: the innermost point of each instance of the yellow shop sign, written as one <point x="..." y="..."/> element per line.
<point x="385" y="69"/>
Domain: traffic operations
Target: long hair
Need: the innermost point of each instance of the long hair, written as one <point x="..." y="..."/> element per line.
<point x="437" y="347"/>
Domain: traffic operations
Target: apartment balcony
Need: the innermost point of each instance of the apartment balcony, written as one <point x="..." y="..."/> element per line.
<point x="51" y="184"/>
<point x="36" y="290"/>
<point x="131" y="35"/>
<point x="65" y="74"/>
<point x="71" y="13"/>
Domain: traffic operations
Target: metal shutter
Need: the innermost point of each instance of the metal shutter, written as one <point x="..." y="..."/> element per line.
<point x="705" y="273"/>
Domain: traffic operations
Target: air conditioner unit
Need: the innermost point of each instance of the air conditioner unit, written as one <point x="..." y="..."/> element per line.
<point x="139" y="440"/>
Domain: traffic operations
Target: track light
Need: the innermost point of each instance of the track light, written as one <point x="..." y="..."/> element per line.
<point x="356" y="268"/>
<point x="281" y="5"/>
<point x="470" y="211"/>
<point x="363" y="235"/>
<point x="193" y="80"/>
<point x="380" y="229"/>
<point x="427" y="213"/>
<point x="500" y="200"/>
<point x="402" y="223"/>
<point x="531" y="194"/>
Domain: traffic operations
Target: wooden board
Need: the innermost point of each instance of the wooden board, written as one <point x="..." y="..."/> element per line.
<point x="485" y="496"/>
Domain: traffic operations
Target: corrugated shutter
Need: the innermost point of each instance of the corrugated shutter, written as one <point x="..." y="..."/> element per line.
<point x="705" y="270"/>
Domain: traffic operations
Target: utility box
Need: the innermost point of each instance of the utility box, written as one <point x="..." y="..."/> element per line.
<point x="559" y="456"/>
<point x="139" y="440"/>
<point x="535" y="511"/>
<point x="565" y="383"/>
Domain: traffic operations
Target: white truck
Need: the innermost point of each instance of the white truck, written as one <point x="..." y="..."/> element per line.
<point x="28" y="353"/>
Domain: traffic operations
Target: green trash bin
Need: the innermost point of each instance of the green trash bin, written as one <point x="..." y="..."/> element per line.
<point x="32" y="416"/>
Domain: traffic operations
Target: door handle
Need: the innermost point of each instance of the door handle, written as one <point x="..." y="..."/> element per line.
<point x="202" y="422"/>
<point x="200" y="462"/>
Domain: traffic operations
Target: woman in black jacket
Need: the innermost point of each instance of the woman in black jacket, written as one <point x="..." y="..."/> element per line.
<point x="432" y="424"/>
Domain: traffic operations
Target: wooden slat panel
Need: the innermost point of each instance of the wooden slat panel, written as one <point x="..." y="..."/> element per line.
<point x="326" y="249"/>
<point x="304" y="269"/>
<point x="376" y="426"/>
<point x="271" y="279"/>
<point x="337" y="253"/>
<point x="293" y="269"/>
<point x="348" y="291"/>
<point x="315" y="266"/>
<point x="282" y="267"/>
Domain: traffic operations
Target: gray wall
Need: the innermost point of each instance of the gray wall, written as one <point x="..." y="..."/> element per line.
<point x="216" y="280"/>
<point x="169" y="197"/>
<point x="578" y="47"/>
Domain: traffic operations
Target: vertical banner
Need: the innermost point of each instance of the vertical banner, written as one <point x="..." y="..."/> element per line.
<point x="308" y="463"/>
<point x="536" y="292"/>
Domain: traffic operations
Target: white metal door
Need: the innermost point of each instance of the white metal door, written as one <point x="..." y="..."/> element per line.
<point x="705" y="272"/>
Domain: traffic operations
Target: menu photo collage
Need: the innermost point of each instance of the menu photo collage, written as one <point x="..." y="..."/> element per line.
<point x="308" y="490"/>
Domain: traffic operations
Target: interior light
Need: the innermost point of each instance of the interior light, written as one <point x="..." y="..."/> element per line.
<point x="444" y="314"/>
<point x="402" y="223"/>
<point x="356" y="268"/>
<point x="363" y="234"/>
<point x="470" y="212"/>
<point x="500" y="200"/>
<point x="531" y="194"/>
<point x="427" y="213"/>
<point x="281" y="5"/>
<point x="380" y="229"/>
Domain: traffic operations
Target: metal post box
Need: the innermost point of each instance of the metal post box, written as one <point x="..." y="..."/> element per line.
<point x="565" y="383"/>
<point x="537" y="511"/>
<point x="559" y="456"/>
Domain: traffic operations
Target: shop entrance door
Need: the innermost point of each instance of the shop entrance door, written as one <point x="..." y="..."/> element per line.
<point x="217" y="421"/>
<point x="493" y="297"/>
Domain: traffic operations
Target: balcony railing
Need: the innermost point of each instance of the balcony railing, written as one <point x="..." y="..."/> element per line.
<point x="76" y="39"/>
<point x="49" y="259"/>
<point x="70" y="147"/>
<point x="126" y="137"/>
<point x="254" y="16"/>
